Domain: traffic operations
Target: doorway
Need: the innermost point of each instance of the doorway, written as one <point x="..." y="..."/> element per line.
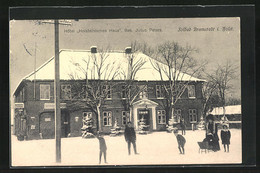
<point x="144" y="114"/>
<point x="47" y="125"/>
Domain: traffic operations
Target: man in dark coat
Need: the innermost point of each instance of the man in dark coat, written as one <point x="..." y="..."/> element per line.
<point x="130" y="137"/>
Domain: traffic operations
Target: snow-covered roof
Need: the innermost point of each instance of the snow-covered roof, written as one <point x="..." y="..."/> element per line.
<point x="74" y="62"/>
<point x="234" y="109"/>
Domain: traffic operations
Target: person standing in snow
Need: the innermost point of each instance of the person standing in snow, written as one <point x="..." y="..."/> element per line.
<point x="212" y="133"/>
<point x="102" y="147"/>
<point x="130" y="137"/>
<point x="225" y="137"/>
<point x="183" y="127"/>
<point x="181" y="141"/>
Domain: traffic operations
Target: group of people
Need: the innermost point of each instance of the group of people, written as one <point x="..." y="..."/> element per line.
<point x="130" y="138"/>
<point x="212" y="134"/>
<point x="211" y="137"/>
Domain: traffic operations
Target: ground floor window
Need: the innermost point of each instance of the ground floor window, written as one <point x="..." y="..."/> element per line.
<point x="86" y="116"/>
<point x="178" y="114"/>
<point x="107" y="118"/>
<point x="125" y="117"/>
<point x="161" y="117"/>
<point x="193" y="115"/>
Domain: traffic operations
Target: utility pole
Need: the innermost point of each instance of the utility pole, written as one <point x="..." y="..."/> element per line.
<point x="57" y="87"/>
<point x="57" y="93"/>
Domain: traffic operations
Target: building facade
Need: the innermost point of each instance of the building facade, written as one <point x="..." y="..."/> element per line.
<point x="34" y="103"/>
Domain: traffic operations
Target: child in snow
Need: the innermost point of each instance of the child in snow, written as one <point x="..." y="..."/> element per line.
<point x="225" y="137"/>
<point x="181" y="141"/>
<point x="102" y="147"/>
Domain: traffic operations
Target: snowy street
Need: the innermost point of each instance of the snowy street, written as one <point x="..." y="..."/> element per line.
<point x="155" y="148"/>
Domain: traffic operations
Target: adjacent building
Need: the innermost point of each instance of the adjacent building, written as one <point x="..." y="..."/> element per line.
<point x="34" y="96"/>
<point x="232" y="113"/>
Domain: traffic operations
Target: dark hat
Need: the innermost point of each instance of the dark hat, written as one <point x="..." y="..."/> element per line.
<point x="225" y="125"/>
<point x="210" y="117"/>
<point x="175" y="131"/>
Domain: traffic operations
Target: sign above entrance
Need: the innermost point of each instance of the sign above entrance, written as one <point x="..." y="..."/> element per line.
<point x="143" y="112"/>
<point x="19" y="105"/>
<point x="52" y="105"/>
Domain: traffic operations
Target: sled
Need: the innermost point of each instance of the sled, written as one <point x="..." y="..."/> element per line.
<point x="203" y="147"/>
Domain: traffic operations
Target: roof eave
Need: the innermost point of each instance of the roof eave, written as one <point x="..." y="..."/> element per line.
<point x="20" y="84"/>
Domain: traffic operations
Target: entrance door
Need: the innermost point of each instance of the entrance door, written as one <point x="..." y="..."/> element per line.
<point x="65" y="124"/>
<point x="145" y="114"/>
<point x="47" y="125"/>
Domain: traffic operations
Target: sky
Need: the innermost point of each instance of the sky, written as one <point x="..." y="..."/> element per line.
<point x="215" y="45"/>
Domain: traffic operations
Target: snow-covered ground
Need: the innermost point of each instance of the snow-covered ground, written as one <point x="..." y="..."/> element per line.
<point x="155" y="148"/>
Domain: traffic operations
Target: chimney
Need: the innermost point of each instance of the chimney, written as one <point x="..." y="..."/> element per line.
<point x="128" y="50"/>
<point x="93" y="49"/>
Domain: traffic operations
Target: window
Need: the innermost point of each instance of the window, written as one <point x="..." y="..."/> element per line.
<point x="125" y="117"/>
<point x="159" y="91"/>
<point x="143" y="93"/>
<point x="86" y="115"/>
<point x="107" y="91"/>
<point x="161" y="117"/>
<point x="23" y="124"/>
<point x="191" y="91"/>
<point x="123" y="92"/>
<point x="178" y="114"/>
<point x="44" y="92"/>
<point x="193" y="115"/>
<point x="66" y="92"/>
<point x="83" y="93"/>
<point x="107" y="118"/>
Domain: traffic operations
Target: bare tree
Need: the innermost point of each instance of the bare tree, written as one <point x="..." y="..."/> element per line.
<point x="102" y="72"/>
<point x="210" y="96"/>
<point x="173" y="62"/>
<point x="223" y="76"/>
<point x="130" y="89"/>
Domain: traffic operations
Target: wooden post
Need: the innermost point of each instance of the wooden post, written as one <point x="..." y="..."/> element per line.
<point x="34" y="82"/>
<point x="57" y="94"/>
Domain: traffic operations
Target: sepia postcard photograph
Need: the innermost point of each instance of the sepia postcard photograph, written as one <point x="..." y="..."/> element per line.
<point x="105" y="92"/>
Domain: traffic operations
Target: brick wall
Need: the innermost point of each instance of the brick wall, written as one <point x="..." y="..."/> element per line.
<point x="35" y="107"/>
